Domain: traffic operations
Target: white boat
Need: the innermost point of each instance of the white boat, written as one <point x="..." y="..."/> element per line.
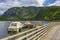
<point x="28" y="24"/>
<point x="15" y="26"/>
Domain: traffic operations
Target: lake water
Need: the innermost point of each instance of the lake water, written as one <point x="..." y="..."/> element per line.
<point x="4" y="25"/>
<point x="3" y="28"/>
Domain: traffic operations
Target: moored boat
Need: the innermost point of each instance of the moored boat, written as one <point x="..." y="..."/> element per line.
<point x="15" y="26"/>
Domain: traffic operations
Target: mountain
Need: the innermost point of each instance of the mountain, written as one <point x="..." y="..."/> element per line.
<point x="21" y="12"/>
<point x="51" y="13"/>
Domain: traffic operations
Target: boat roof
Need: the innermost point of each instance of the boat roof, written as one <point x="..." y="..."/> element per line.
<point x="15" y="22"/>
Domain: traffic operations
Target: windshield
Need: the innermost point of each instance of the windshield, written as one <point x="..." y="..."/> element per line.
<point x="14" y="24"/>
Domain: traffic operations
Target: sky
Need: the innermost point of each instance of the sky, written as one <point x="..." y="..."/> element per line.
<point x="6" y="4"/>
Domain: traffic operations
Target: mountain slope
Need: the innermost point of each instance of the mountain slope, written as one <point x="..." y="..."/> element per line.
<point x="21" y="12"/>
<point x="33" y="13"/>
<point x="49" y="14"/>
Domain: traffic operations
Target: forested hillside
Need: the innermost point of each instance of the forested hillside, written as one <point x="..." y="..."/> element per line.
<point x="32" y="13"/>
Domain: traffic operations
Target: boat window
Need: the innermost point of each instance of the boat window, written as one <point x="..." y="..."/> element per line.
<point x="20" y="24"/>
<point x="14" y="24"/>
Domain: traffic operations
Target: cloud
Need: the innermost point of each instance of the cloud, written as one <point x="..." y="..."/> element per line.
<point x="56" y="3"/>
<point x="40" y="2"/>
<point x="48" y="2"/>
<point x="4" y="5"/>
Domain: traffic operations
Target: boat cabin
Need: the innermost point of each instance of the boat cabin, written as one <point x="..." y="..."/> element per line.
<point x="15" y="26"/>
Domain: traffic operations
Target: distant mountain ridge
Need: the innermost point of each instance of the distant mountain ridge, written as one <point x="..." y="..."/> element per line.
<point x="33" y="13"/>
<point x="22" y="12"/>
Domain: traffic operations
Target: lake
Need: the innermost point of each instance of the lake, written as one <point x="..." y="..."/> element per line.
<point x="3" y="28"/>
<point x="5" y="24"/>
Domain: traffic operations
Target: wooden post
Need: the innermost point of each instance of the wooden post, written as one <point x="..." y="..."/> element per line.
<point x="17" y="30"/>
